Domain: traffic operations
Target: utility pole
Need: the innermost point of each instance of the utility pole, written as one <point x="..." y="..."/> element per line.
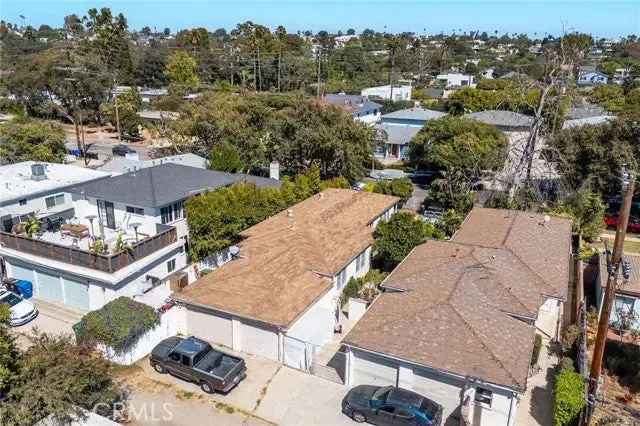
<point x="115" y="105"/>
<point x="628" y="186"/>
<point x="319" y="60"/>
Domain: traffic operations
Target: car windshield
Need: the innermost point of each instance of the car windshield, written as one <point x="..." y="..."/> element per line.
<point x="10" y="299"/>
<point x="381" y="394"/>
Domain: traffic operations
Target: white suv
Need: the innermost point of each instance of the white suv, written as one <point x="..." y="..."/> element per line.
<point x="22" y="311"/>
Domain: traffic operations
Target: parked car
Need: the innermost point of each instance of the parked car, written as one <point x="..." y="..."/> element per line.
<point x="390" y="405"/>
<point x="611" y="222"/>
<point x="22" y="311"/>
<point x="432" y="214"/>
<point x="121" y="150"/>
<point x="195" y="360"/>
<point x="130" y="137"/>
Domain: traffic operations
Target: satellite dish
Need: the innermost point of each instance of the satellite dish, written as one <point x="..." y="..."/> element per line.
<point x="234" y="250"/>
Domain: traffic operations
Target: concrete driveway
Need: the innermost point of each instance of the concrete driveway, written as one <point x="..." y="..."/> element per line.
<point x="53" y="318"/>
<point x="271" y="393"/>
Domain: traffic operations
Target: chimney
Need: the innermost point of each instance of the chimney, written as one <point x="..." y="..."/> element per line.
<point x="274" y="170"/>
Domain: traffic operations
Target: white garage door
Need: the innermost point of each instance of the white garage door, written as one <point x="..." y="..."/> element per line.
<point x="49" y="287"/>
<point x="20" y="273"/>
<point x="258" y="341"/>
<point x="440" y="389"/>
<point x="370" y="370"/>
<point x="76" y="294"/>
<point x="209" y="327"/>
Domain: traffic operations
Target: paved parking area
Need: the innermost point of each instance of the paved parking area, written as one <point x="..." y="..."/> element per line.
<point x="53" y="318"/>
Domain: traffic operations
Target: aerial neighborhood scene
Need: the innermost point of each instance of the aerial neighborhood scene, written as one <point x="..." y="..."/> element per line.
<point x="255" y="213"/>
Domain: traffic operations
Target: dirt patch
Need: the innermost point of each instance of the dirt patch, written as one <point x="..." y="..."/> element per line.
<point x="135" y="378"/>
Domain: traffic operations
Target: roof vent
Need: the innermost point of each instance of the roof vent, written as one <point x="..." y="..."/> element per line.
<point x="234" y="251"/>
<point x="289" y="213"/>
<point x="38" y="172"/>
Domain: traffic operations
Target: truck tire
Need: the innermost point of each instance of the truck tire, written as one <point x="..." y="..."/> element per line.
<point x="159" y="368"/>
<point x="206" y="387"/>
<point x="358" y="417"/>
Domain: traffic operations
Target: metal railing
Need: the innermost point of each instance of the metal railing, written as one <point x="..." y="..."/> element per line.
<point x="102" y="262"/>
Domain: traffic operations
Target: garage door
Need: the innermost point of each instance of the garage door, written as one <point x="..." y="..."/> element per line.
<point x="443" y="390"/>
<point x="49" y="287"/>
<point x="209" y="327"/>
<point x="76" y="294"/>
<point x="258" y="341"/>
<point x="20" y="273"/>
<point x="370" y="370"/>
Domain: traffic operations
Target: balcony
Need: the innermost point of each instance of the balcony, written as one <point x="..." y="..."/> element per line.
<point x="74" y="255"/>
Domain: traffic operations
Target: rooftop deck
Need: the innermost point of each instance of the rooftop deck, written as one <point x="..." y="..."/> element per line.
<point x="75" y="251"/>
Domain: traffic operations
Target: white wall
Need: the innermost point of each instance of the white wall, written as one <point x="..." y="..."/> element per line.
<point x="400" y="93"/>
<point x="144" y="346"/>
<point x="84" y="208"/>
<point x="36" y="205"/>
<point x="369" y="118"/>
<point x="548" y="316"/>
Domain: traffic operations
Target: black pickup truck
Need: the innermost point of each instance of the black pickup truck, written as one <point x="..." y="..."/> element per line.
<point x="195" y="360"/>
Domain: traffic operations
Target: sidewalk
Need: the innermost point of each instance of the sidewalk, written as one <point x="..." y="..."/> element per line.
<point x="536" y="405"/>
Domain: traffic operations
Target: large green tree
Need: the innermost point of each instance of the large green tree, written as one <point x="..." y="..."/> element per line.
<point x="31" y="140"/>
<point x="181" y="72"/>
<point x="393" y="240"/>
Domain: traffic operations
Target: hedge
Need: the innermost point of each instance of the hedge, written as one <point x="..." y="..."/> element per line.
<point x="119" y="324"/>
<point x="569" y="398"/>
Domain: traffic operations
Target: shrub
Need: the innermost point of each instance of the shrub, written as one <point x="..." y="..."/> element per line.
<point x="568" y="398"/>
<point x="569" y="337"/>
<point x="537" y="346"/>
<point x="566" y="364"/>
<point x="364" y="287"/>
<point x="401" y="187"/>
<point x="119" y="324"/>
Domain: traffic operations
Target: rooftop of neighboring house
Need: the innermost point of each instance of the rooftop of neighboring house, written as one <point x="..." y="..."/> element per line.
<point x="543" y="245"/>
<point x="353" y="104"/>
<point x="163" y="184"/>
<point x="471" y="288"/>
<point x="398" y="134"/>
<point x="630" y="287"/>
<point x="288" y="261"/>
<point x="155" y="115"/>
<point x="585" y="111"/>
<point x="18" y="181"/>
<point x="504" y="119"/>
<point x="593" y="121"/>
<point x="125" y="165"/>
<point x="415" y="113"/>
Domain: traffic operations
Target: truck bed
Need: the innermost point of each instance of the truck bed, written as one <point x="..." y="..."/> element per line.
<point x="218" y="364"/>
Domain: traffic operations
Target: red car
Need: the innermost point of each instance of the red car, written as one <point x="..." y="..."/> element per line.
<point x="634" y="223"/>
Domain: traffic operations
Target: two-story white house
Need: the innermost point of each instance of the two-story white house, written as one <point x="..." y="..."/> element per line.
<point x="127" y="235"/>
<point x="279" y="297"/>
<point x="38" y="189"/>
<point x="455" y="80"/>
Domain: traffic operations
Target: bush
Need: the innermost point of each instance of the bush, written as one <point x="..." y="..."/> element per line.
<point x="119" y="324"/>
<point x="569" y="337"/>
<point x="364" y="287"/>
<point x="537" y="346"/>
<point x="569" y="398"/>
<point x="401" y="187"/>
<point x="566" y="364"/>
<point x="623" y="360"/>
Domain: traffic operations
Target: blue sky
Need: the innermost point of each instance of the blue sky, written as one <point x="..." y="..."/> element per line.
<point x="601" y="18"/>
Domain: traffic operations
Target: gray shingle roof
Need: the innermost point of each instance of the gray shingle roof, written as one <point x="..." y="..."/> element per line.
<point x="161" y="185"/>
<point x="398" y="134"/>
<point x="500" y="118"/>
<point x="414" y="114"/>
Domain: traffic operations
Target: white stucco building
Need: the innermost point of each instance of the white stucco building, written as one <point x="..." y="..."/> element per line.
<point x="279" y="297"/>
<point x="395" y="92"/>
<point x="457" y="319"/>
<point x="453" y="80"/>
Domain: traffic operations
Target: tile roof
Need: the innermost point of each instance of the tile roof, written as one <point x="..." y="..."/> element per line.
<point x="545" y="247"/>
<point x="398" y="134"/>
<point x="450" y="305"/>
<point x="160" y="185"/>
<point x="287" y="261"/>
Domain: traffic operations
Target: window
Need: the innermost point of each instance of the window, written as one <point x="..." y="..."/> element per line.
<point x="135" y="210"/>
<point x="484" y="396"/>
<point x="171" y="212"/>
<point x="342" y="278"/>
<point x="174" y="357"/>
<point x="361" y="261"/>
<point x="54" y="200"/>
<point x="171" y="265"/>
<point x="185" y="360"/>
<point x="23" y="202"/>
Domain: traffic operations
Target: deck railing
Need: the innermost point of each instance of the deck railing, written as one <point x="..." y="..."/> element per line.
<point x="102" y="262"/>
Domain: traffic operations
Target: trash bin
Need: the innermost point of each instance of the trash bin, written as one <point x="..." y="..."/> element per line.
<point x="25" y="288"/>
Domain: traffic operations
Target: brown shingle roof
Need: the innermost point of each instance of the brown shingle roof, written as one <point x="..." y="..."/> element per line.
<point x="446" y="320"/>
<point x="286" y="261"/>
<point x="453" y="311"/>
<point x="545" y="247"/>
